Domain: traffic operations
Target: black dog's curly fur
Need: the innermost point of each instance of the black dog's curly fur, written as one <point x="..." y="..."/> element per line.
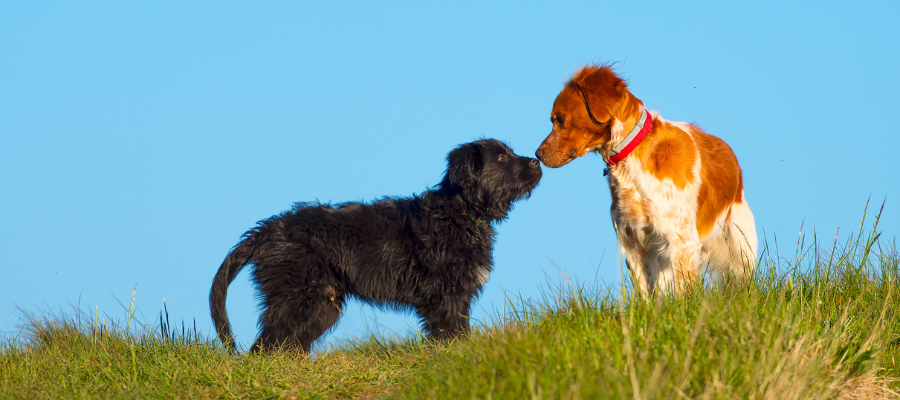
<point x="430" y="253"/>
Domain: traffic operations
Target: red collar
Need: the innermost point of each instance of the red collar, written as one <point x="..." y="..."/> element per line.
<point x="634" y="138"/>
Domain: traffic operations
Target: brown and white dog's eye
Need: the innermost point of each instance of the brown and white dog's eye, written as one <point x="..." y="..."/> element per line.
<point x="561" y="120"/>
<point x="503" y="158"/>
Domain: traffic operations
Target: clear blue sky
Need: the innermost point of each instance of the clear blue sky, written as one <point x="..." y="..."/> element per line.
<point x="139" y="141"/>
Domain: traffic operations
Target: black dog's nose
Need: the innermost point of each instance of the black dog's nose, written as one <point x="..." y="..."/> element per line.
<point x="534" y="163"/>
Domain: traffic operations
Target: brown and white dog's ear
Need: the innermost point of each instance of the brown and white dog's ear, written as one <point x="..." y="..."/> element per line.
<point x="602" y="91"/>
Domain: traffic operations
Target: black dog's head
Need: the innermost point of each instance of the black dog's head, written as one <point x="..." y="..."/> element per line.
<point x="489" y="177"/>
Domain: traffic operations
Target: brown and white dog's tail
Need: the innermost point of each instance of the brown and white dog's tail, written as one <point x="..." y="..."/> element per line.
<point x="233" y="264"/>
<point x="742" y="235"/>
<point x="734" y="250"/>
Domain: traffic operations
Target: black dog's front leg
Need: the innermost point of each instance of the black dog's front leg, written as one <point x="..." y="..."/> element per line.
<point x="446" y="318"/>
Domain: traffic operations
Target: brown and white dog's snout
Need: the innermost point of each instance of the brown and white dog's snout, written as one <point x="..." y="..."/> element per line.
<point x="547" y="151"/>
<point x="552" y="155"/>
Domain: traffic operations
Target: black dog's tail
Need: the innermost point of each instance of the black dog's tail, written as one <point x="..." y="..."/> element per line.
<point x="233" y="264"/>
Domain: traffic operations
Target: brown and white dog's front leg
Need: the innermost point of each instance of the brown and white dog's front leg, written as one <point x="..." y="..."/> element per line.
<point x="631" y="245"/>
<point x="642" y="274"/>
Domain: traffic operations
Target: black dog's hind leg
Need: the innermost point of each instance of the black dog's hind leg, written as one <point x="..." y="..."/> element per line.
<point x="296" y="315"/>
<point x="446" y="318"/>
<point x="297" y="325"/>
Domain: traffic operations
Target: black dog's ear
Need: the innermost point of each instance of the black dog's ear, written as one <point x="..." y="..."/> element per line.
<point x="462" y="165"/>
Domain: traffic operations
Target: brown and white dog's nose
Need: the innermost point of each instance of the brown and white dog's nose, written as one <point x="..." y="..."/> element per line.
<point x="538" y="153"/>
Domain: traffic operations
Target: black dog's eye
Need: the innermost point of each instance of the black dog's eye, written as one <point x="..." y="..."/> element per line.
<point x="503" y="158"/>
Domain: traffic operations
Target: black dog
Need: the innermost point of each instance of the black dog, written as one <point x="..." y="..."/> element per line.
<point x="430" y="253"/>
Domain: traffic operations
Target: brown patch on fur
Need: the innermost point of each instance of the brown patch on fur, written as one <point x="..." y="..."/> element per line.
<point x="720" y="180"/>
<point x="669" y="154"/>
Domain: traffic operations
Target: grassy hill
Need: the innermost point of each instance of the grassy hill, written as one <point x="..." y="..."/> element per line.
<point x="822" y="324"/>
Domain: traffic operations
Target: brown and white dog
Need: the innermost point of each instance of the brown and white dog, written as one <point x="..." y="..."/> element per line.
<point x="678" y="200"/>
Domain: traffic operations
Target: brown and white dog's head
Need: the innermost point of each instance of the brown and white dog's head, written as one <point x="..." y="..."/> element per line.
<point x="589" y="114"/>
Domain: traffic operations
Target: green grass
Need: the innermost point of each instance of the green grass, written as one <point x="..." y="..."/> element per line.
<point x="822" y="323"/>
